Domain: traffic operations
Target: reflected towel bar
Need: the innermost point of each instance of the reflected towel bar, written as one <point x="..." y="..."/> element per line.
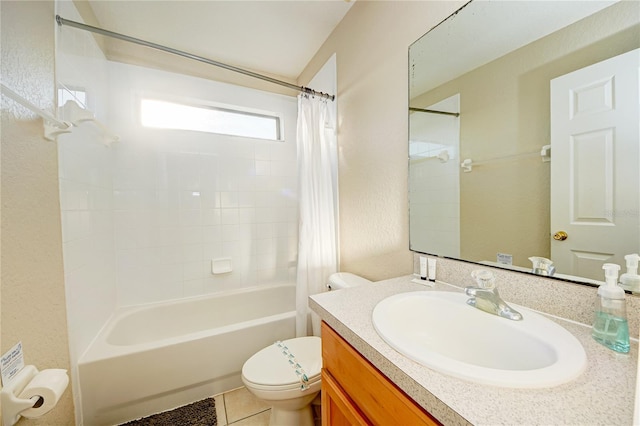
<point x="63" y="125"/>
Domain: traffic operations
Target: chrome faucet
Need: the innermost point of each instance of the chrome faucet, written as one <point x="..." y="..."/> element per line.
<point x="486" y="297"/>
<point x="542" y="266"/>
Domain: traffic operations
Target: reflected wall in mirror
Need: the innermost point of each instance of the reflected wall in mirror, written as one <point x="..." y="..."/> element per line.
<point x="537" y="138"/>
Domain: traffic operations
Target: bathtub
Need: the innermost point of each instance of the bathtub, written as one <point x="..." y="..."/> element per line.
<point x="152" y="358"/>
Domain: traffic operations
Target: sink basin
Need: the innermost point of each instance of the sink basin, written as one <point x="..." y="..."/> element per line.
<point x="439" y="330"/>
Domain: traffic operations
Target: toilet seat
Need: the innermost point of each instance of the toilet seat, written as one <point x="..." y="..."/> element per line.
<point x="270" y="370"/>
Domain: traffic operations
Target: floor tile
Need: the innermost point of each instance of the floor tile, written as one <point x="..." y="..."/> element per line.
<point x="221" y="411"/>
<point x="317" y="414"/>
<point x="261" y="419"/>
<point x="240" y="403"/>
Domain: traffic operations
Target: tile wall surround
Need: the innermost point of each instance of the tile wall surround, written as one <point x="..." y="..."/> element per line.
<point x="85" y="175"/>
<point x="183" y="198"/>
<point x="173" y="199"/>
<point x="564" y="299"/>
<point x="176" y="200"/>
<point x="434" y="210"/>
<point x="142" y="219"/>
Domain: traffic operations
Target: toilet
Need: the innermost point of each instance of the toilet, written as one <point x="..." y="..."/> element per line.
<point x="277" y="373"/>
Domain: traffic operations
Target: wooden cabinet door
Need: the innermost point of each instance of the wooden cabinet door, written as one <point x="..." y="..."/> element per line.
<point x="337" y="407"/>
<point x="376" y="398"/>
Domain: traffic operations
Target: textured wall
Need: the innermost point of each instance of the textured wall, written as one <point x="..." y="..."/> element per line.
<point x="32" y="283"/>
<point x="371" y="45"/>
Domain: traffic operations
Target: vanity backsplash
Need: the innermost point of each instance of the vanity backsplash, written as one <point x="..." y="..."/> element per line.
<point x="564" y="299"/>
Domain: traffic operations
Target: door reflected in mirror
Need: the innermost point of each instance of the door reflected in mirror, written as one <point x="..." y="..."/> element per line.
<point x="524" y="126"/>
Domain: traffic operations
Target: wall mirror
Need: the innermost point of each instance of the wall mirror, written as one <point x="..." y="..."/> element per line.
<point x="523" y="139"/>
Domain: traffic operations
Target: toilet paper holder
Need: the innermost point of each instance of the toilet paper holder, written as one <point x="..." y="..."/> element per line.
<point x="12" y="405"/>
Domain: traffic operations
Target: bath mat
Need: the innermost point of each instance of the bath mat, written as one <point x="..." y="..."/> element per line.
<point x="201" y="413"/>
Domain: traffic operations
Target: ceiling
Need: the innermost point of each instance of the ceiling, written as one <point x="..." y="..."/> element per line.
<point x="274" y="37"/>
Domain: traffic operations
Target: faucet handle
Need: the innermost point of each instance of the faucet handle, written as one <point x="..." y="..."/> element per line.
<point x="484" y="278"/>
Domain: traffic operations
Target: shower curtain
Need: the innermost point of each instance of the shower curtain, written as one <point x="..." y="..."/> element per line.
<point x="317" y="251"/>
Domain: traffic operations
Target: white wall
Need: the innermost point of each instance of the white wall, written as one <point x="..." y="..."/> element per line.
<point x="182" y="198"/>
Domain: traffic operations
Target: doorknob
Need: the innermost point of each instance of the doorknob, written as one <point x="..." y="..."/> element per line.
<point x="560" y="236"/>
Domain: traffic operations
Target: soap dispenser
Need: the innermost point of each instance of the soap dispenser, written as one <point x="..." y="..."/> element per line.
<point x="631" y="280"/>
<point x="610" y="326"/>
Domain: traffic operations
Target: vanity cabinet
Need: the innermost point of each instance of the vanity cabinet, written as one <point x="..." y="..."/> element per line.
<point x="354" y="392"/>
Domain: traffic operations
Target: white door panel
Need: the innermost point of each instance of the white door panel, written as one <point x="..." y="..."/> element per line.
<point x="595" y="167"/>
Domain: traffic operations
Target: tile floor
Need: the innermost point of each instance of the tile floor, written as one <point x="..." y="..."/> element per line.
<point x="239" y="407"/>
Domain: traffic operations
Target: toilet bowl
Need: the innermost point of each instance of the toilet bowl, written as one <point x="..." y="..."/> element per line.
<point x="286" y="375"/>
<point x="271" y="377"/>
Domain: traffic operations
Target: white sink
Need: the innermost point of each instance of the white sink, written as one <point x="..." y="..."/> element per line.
<point x="440" y="331"/>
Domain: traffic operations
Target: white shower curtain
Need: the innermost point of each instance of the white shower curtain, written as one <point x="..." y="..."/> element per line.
<point x="317" y="252"/>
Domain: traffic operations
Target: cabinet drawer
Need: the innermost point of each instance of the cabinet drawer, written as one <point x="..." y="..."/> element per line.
<point x="381" y="401"/>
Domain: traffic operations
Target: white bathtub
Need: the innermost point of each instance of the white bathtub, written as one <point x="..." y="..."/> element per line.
<point x="155" y="357"/>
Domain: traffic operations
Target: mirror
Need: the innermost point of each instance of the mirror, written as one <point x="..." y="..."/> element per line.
<point x="496" y="176"/>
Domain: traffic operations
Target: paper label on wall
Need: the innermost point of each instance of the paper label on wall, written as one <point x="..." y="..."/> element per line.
<point x="505" y="259"/>
<point x="11" y="363"/>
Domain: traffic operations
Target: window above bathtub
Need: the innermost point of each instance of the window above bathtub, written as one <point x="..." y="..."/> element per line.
<point x="225" y="120"/>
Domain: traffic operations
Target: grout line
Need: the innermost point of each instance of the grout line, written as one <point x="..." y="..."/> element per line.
<point x="252" y="415"/>
<point x="226" y="415"/>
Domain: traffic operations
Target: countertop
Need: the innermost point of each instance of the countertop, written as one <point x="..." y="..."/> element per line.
<point x="602" y="395"/>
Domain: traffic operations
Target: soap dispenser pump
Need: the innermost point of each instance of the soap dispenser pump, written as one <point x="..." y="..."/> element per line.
<point x="631" y="280"/>
<point x="610" y="327"/>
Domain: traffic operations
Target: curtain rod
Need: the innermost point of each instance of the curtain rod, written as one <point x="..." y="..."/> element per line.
<point x="61" y="21"/>
<point x="433" y="111"/>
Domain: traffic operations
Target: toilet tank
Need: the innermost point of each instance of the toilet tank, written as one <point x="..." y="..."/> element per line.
<point x="341" y="280"/>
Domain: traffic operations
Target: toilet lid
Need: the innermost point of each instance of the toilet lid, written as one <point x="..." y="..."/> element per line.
<point x="270" y="367"/>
